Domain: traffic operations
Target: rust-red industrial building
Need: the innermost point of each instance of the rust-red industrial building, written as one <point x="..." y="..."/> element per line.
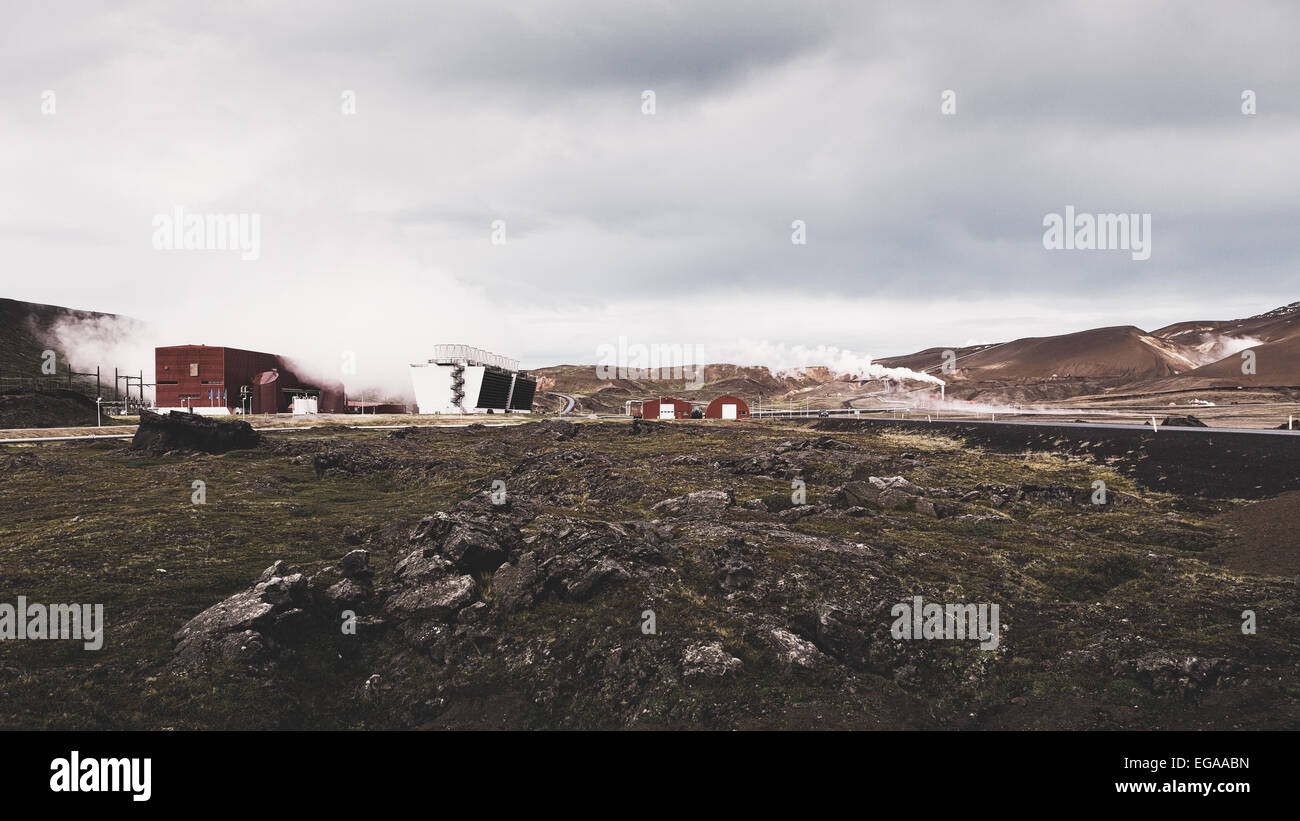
<point x="727" y="407"/>
<point x="666" y="408"/>
<point x="202" y="376"/>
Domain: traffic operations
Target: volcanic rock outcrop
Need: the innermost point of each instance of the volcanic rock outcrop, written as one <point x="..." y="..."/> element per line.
<point x="179" y="431"/>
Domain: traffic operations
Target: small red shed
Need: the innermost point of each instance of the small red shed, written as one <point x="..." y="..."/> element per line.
<point x="665" y="408"/>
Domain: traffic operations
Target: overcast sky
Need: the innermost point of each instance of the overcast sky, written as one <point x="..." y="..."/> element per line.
<point x="674" y="227"/>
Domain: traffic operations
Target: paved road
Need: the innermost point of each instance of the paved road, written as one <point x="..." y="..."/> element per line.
<point x="570" y="399"/>
<point x="1104" y="426"/>
<point x="1039" y="423"/>
<point x="1033" y="423"/>
<point x="294" y="429"/>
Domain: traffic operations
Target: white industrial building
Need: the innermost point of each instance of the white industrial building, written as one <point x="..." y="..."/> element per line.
<point x="464" y="379"/>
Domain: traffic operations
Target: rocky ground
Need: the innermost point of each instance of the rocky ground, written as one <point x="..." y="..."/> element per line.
<point x="619" y="574"/>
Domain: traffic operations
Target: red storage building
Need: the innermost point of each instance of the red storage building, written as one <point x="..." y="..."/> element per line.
<point x="202" y="376"/>
<point x="666" y="408"/>
<point x="727" y="407"/>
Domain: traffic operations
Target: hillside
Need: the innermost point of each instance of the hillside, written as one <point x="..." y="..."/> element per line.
<point x="1099" y="361"/>
<point x="1270" y="326"/>
<point x="27" y="329"/>
<point x="597" y="395"/>
<point x="20" y="408"/>
<point x="1273" y="337"/>
<point x="30" y="398"/>
<point x="930" y="358"/>
<point x="1181" y="356"/>
<point x="1277" y="364"/>
<point x="1118" y="352"/>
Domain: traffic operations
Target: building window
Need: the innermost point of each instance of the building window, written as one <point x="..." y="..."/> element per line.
<point x="194" y="369"/>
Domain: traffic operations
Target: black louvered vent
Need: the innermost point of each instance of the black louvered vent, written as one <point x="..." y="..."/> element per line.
<point x="524" y="390"/>
<point x="495" y="390"/>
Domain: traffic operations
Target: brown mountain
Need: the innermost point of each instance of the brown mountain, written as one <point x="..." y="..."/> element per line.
<point x="1272" y="326"/>
<point x="1273" y="337"/>
<point x="1185" y="355"/>
<point x="1118" y="359"/>
<point x="1277" y="364"/>
<point x="1123" y="352"/>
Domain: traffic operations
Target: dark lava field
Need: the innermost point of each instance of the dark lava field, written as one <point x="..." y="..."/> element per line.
<point x="651" y="575"/>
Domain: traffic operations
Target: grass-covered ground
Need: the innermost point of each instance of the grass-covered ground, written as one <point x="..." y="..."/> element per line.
<point x="1085" y="594"/>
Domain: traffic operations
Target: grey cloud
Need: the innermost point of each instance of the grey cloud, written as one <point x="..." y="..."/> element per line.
<point x="470" y="112"/>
